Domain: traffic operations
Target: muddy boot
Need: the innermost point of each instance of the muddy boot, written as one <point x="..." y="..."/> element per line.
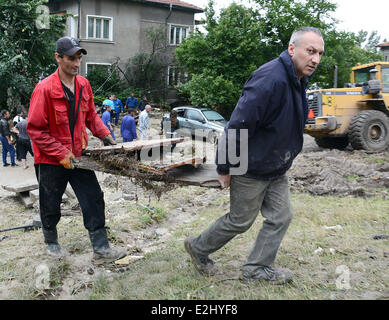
<point x="271" y="275"/>
<point x="102" y="253"/>
<point x="51" y="240"/>
<point x="204" y="265"/>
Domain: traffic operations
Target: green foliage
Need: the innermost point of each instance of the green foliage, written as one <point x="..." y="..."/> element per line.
<point x="26" y="51"/>
<point x="213" y="92"/>
<point x="343" y="49"/>
<point x="221" y="61"/>
<point x="241" y="39"/>
<point x="104" y="80"/>
<point x="98" y="99"/>
<point x="146" y="71"/>
<point x="281" y="17"/>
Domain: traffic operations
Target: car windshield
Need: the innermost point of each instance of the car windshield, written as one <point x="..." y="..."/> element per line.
<point x="212" y="115"/>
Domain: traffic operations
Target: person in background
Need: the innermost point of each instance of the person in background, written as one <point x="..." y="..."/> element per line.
<point x="128" y="127"/>
<point x="17" y="119"/>
<point x="106" y="117"/>
<point x="6" y="139"/>
<point x="172" y="126"/>
<point x="132" y="102"/>
<point x="118" y="105"/>
<point x="24" y="141"/>
<point x="142" y="104"/>
<point x="144" y="123"/>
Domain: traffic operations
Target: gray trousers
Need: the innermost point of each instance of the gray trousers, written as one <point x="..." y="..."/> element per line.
<point x="247" y="198"/>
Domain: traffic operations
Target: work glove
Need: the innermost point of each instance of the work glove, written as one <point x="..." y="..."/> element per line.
<point x="109" y="141"/>
<point x="67" y="161"/>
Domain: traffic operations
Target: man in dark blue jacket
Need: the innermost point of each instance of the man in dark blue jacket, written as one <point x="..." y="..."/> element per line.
<point x="131" y="102"/>
<point x="269" y="121"/>
<point x="128" y="127"/>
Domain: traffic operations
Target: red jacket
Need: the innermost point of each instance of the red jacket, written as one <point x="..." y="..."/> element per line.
<point x="48" y="121"/>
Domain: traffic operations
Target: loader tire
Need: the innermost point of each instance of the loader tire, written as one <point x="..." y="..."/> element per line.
<point x="369" y="131"/>
<point x="332" y="143"/>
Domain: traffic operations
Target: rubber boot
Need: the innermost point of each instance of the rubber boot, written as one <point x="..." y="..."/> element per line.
<point x="102" y="253"/>
<point x="51" y="240"/>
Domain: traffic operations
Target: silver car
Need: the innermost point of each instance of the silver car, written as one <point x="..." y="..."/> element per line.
<point x="199" y="122"/>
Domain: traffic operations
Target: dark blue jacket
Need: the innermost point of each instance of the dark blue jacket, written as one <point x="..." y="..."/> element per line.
<point x="132" y="102"/>
<point x="273" y="108"/>
<point x="128" y="128"/>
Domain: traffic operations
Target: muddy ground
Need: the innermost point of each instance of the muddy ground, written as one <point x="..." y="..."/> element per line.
<point x="315" y="171"/>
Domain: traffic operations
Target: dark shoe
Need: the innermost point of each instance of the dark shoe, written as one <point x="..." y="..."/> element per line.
<point x="204" y="265"/>
<point x="14" y="165"/>
<point x="102" y="253"/>
<point x="273" y="275"/>
<point x="6" y="165"/>
<point x="54" y="249"/>
<point x="51" y="240"/>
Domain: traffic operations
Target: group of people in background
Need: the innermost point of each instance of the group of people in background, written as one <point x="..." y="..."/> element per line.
<point x="113" y="107"/>
<point x="17" y="135"/>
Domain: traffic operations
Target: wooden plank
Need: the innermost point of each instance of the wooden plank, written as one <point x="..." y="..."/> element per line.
<point x="21" y="186"/>
<point x="205" y="175"/>
<point x="196" y="162"/>
<point x="135" y="145"/>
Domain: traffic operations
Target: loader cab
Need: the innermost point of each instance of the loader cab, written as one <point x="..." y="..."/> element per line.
<point x="361" y="75"/>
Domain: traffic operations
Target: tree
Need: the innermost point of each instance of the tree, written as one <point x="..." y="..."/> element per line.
<point x="147" y="70"/>
<point x="27" y="48"/>
<point x="241" y="39"/>
<point x="281" y="17"/>
<point x="344" y="50"/>
<point x="104" y="79"/>
<point x="372" y="42"/>
<point x="221" y="60"/>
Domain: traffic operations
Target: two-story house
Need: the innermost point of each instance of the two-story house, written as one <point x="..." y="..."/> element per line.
<point x="115" y="30"/>
<point x="385" y="50"/>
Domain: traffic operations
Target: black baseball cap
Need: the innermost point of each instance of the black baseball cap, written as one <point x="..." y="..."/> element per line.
<point x="69" y="46"/>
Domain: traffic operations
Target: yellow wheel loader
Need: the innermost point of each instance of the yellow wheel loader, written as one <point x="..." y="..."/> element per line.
<point x="357" y="114"/>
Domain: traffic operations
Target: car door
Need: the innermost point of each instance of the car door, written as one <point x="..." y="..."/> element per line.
<point x="195" y="122"/>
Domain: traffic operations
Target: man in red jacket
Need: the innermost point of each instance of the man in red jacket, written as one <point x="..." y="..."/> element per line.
<point x="61" y="108"/>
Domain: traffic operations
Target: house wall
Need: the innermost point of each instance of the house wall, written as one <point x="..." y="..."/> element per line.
<point x="126" y="31"/>
<point x="130" y="22"/>
<point x="385" y="51"/>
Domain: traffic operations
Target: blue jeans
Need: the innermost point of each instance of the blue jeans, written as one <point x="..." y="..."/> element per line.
<point x="127" y="139"/>
<point x="7" y="148"/>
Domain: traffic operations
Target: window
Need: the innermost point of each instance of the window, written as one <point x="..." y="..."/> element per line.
<point x="363" y="75"/>
<point x="194" y="115"/>
<point x="93" y="68"/>
<point x="176" y="76"/>
<point x="385" y="79"/>
<point x="181" y="113"/>
<point x="100" y="28"/>
<point x="212" y="115"/>
<point x="178" y="34"/>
